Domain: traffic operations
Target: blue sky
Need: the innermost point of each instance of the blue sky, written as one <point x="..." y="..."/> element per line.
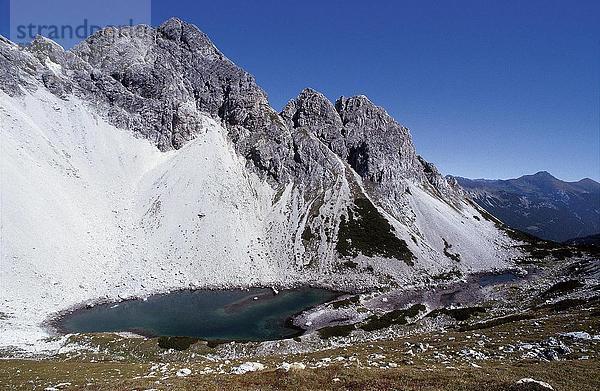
<point x="489" y="89"/>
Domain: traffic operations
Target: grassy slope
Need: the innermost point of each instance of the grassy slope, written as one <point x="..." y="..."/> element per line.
<point x="423" y="371"/>
<point x="582" y="375"/>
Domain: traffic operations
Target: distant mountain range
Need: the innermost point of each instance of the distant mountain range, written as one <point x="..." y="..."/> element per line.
<point x="540" y="204"/>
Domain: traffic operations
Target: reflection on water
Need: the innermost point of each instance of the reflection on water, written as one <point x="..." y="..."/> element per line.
<point x="255" y="314"/>
<point x="495" y="279"/>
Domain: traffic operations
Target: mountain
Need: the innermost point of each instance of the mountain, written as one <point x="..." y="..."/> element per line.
<point x="540" y="204"/>
<point x="143" y="160"/>
<point x="590" y="240"/>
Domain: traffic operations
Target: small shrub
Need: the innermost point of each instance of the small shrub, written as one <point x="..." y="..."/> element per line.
<point x="451" y="275"/>
<point x="398" y="317"/>
<point x="177" y="343"/>
<point x="497" y="322"/>
<point x="351" y="264"/>
<point x="563" y="287"/>
<point x="307" y="234"/>
<point x="567" y="304"/>
<point x="459" y="314"/>
<point x="367" y="232"/>
<point x="448" y="246"/>
<point x="336" y="331"/>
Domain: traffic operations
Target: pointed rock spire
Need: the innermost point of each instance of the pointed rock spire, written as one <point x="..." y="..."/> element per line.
<point x="312" y="111"/>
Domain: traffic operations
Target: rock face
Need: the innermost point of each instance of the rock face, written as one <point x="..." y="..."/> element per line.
<point x="156" y="82"/>
<point x="540" y="204"/>
<point x="144" y="160"/>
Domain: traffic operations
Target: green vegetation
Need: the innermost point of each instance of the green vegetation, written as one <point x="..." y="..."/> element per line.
<point x="459" y="314"/>
<point x="307" y="234"/>
<point x="448" y="246"/>
<point x="563" y="287"/>
<point x="398" y="317"/>
<point x="566" y="304"/>
<point x="336" y="331"/>
<point x="367" y="232"/>
<point x="278" y="195"/>
<point x="350" y="264"/>
<point x="497" y="322"/>
<point x="577" y="375"/>
<point x="177" y="343"/>
<point x="538" y="248"/>
<point x="487" y="216"/>
<point x="448" y="276"/>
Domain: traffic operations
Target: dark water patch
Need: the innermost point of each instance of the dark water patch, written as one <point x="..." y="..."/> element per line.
<point x="243" y="315"/>
<point x="498" y="278"/>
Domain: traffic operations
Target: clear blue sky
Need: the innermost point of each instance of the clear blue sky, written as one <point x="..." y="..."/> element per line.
<point x="492" y="89"/>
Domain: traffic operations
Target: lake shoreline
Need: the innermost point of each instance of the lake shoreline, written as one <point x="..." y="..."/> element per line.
<point x="253" y="295"/>
<point x="56" y="323"/>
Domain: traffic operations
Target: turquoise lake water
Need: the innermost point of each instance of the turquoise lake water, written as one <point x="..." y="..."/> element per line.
<point x="248" y="315"/>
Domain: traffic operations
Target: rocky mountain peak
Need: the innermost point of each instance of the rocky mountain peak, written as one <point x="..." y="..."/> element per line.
<point x="45" y="45"/>
<point x="367" y="138"/>
<point x="543" y="175"/>
<point x="158" y="81"/>
<point x="379" y="148"/>
<point x="187" y="34"/>
<point x="312" y="111"/>
<point x="589" y="184"/>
